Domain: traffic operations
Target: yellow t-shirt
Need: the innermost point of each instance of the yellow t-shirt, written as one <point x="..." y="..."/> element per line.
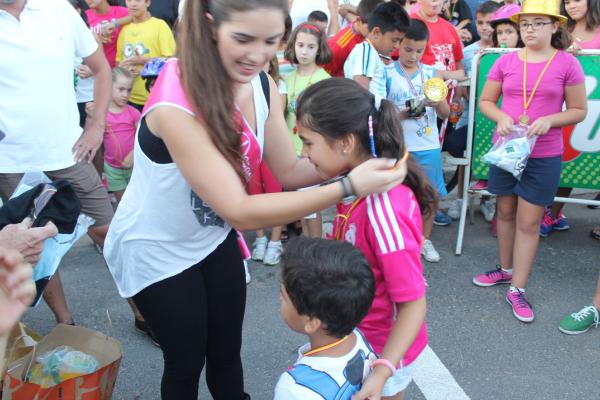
<point x="151" y="38"/>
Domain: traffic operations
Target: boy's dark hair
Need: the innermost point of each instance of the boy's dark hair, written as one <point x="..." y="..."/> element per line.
<point x="329" y="280"/>
<point x="417" y="31"/>
<point x="389" y="17"/>
<point x="366" y="7"/>
<point x="489" y="7"/>
<point x="323" y="53"/>
<point x="317" y="15"/>
<point x="318" y="110"/>
<point x="592" y="18"/>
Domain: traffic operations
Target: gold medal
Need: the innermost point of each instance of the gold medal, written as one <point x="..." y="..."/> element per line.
<point x="435" y="89"/>
<point x="524" y="120"/>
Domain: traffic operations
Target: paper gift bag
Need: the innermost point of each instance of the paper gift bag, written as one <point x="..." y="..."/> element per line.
<point x="20" y="343"/>
<point x="97" y="385"/>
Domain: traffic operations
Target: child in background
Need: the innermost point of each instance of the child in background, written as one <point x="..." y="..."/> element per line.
<point x="456" y="142"/>
<point x="354" y="33"/>
<point x="458" y="13"/>
<point x="386" y="26"/>
<point x="338" y="135"/>
<point x="270" y="252"/>
<point x="106" y="22"/>
<point x="405" y="80"/>
<point x="327" y="288"/>
<point x="144" y="38"/>
<point x="121" y="124"/>
<point x="506" y="32"/>
<point x="307" y="49"/>
<point x="318" y="19"/>
<point x="553" y="78"/>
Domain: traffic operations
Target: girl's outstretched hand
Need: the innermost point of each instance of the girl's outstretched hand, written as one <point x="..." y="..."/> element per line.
<point x="377" y="175"/>
<point x="373" y="385"/>
<point x="505" y="125"/>
<point x="17" y="289"/>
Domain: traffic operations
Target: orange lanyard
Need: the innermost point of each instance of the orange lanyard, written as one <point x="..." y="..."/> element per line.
<point x="339" y="232"/>
<point x="326" y="347"/>
<point x="526" y="102"/>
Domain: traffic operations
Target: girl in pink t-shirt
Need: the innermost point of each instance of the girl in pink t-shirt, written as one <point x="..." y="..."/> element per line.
<point x="553" y="78"/>
<point x="387" y="227"/>
<point x="105" y="22"/>
<point x="119" y="134"/>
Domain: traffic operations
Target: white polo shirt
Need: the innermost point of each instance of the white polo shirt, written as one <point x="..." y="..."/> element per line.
<point x="38" y="110"/>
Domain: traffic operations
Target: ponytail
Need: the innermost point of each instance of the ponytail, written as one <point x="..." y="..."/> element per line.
<point x="205" y="81"/>
<point x="389" y="137"/>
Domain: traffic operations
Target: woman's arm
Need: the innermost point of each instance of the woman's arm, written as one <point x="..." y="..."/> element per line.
<point x="576" y="102"/>
<point x="488" y="104"/>
<point x="214" y="180"/>
<point x="409" y="320"/>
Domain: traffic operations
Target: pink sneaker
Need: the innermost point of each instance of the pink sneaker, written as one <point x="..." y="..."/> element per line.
<point x="520" y="306"/>
<point x="479" y="185"/>
<point x="491" y="278"/>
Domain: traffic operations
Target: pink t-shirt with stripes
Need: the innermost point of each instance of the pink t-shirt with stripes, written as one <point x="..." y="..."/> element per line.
<point x="387" y="228"/>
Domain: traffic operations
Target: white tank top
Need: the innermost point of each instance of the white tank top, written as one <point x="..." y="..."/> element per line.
<point x="161" y="226"/>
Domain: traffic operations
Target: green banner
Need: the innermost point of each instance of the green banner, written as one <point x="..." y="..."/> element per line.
<point x="581" y="158"/>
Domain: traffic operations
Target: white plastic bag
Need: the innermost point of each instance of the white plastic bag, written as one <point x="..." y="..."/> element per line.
<point x="512" y="151"/>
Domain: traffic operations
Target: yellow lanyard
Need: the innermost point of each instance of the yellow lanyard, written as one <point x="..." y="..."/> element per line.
<point x="342" y="227"/>
<point x="524" y="119"/>
<point x="326" y="347"/>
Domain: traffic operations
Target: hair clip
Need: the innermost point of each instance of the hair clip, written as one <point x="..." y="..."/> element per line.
<point x="372" y="136"/>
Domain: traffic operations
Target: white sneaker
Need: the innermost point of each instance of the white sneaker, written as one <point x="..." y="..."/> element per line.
<point x="248" y="277"/>
<point x="488" y="209"/>
<point x="273" y="253"/>
<point x="258" y="248"/>
<point x="454" y="209"/>
<point x="429" y="252"/>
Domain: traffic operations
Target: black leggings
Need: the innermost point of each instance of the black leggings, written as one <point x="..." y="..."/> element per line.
<point x="197" y="315"/>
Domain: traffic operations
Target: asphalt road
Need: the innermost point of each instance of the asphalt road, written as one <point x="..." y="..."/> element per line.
<point x="488" y="352"/>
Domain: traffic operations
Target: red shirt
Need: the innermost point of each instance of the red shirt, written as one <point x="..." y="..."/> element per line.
<point x="341" y="45"/>
<point x="444" y="48"/>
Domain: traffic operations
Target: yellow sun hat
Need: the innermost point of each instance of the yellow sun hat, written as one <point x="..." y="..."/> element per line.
<point x="550" y="8"/>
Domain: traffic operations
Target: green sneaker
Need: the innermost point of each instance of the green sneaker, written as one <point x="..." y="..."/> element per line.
<point x="580" y="321"/>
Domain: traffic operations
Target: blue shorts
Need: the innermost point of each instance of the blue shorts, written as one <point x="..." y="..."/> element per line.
<point x="538" y="183"/>
<point x="431" y="162"/>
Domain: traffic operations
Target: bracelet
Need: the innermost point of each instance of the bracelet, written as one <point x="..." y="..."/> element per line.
<point x="385" y="363"/>
<point x="351" y="185"/>
<point x="346" y="187"/>
<point x="114" y="22"/>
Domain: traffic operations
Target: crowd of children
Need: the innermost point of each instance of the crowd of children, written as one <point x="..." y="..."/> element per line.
<point x="347" y="99"/>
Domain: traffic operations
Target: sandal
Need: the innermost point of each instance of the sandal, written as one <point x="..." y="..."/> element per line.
<point x="595" y="233"/>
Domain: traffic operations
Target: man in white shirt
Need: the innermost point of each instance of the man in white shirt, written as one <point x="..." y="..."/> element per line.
<point x="39" y="40"/>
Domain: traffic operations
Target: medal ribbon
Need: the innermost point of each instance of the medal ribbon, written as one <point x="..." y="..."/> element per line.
<point x="326" y="347"/>
<point x="526" y="102"/>
<point x="412" y="87"/>
<point x="342" y="228"/>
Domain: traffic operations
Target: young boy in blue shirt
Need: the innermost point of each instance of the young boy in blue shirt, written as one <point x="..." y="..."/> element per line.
<point x="327" y="288"/>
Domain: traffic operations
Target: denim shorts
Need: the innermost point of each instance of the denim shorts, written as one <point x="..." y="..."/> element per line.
<point x="538" y="183"/>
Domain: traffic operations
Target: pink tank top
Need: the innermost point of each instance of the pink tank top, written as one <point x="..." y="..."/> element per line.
<point x="168" y="91"/>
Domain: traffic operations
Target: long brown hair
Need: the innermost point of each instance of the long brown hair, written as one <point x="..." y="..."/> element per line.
<point x="205" y="82"/>
<point x="592" y="17"/>
<point x="319" y="109"/>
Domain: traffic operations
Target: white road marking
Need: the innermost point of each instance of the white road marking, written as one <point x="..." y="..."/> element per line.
<point x="434" y="380"/>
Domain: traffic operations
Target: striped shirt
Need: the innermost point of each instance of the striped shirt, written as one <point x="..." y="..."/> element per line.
<point x="364" y="61"/>
<point x="387" y="228"/>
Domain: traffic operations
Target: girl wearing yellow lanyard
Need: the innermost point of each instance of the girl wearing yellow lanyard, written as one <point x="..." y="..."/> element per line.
<point x="534" y="82"/>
